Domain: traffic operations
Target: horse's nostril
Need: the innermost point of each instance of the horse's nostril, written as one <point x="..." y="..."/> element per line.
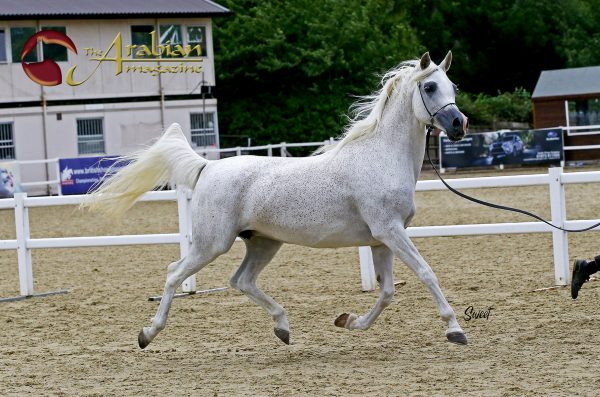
<point x="456" y="122"/>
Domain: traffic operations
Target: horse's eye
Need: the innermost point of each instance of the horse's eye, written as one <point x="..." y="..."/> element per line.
<point x="430" y="87"/>
<point x="456" y="90"/>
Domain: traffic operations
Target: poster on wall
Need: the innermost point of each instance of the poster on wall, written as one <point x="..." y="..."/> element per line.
<point x="10" y="179"/>
<point x="510" y="147"/>
<point x="80" y="175"/>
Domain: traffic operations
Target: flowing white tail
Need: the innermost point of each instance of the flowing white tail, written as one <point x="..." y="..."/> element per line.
<point x="170" y="160"/>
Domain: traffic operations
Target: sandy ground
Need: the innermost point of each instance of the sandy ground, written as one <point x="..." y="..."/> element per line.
<point x="84" y="342"/>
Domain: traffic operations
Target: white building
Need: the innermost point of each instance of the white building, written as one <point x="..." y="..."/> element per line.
<point x="110" y="113"/>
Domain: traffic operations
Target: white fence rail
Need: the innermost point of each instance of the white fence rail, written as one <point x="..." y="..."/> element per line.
<point x="555" y="179"/>
<point x="24" y="243"/>
<point x="280" y="149"/>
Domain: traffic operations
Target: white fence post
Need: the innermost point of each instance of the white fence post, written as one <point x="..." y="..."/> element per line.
<point x="269" y="150"/>
<point x="283" y="149"/>
<point x="23" y="253"/>
<point x="59" y="185"/>
<point x="560" y="242"/>
<point x="184" y="196"/>
<point x="367" y="271"/>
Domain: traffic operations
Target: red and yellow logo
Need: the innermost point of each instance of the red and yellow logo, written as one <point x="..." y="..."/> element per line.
<point x="127" y="59"/>
<point x="47" y="72"/>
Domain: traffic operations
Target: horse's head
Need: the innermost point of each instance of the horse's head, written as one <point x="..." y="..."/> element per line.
<point x="434" y="99"/>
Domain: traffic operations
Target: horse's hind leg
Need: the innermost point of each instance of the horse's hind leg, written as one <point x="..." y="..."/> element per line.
<point x="383" y="261"/>
<point x="177" y="272"/>
<point x="259" y="252"/>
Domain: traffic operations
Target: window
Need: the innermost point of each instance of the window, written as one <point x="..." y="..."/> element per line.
<point x="18" y="37"/>
<point x="196" y="35"/>
<point x="55" y="51"/>
<point x="584" y="112"/>
<point x="7" y="145"/>
<point x="203" y="129"/>
<point x="90" y="136"/>
<point x="170" y="35"/>
<point x="2" y="45"/>
<point x="140" y="35"/>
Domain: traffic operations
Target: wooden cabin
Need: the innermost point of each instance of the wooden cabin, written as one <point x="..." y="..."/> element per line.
<point x="570" y="98"/>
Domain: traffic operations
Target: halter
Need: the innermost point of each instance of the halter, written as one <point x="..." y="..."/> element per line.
<point x="431" y="115"/>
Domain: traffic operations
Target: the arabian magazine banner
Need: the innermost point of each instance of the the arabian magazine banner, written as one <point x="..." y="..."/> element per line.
<point x="156" y="57"/>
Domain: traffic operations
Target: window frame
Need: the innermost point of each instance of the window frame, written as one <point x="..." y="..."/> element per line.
<point x="37" y="48"/>
<point x="7" y="47"/>
<point x="42" y="55"/>
<point x="198" y="132"/>
<point x="13" y="146"/>
<point x="592" y="112"/>
<point x="80" y="142"/>
<point x="186" y="42"/>
<point x="131" y="38"/>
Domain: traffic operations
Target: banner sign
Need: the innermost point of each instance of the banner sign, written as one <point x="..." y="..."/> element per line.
<point x="80" y="175"/>
<point x="511" y="147"/>
<point x="10" y="179"/>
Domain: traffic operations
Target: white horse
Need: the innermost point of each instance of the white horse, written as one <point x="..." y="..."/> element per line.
<point x="359" y="192"/>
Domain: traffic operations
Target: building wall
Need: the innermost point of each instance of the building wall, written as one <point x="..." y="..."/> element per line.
<point x="15" y="86"/>
<point x="127" y="125"/>
<point x="547" y="114"/>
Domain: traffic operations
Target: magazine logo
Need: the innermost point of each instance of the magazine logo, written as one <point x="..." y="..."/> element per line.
<point x="153" y="59"/>
<point x="47" y="72"/>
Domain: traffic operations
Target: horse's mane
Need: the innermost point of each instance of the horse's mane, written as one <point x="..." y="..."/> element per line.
<point x="365" y="113"/>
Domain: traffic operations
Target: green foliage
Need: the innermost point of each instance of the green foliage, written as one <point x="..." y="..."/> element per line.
<point x="289" y="70"/>
<point x="486" y="110"/>
<point x="503" y="44"/>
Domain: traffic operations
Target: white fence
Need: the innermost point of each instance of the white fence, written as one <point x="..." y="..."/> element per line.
<point x="280" y="149"/>
<point x="555" y="180"/>
<point x="24" y="243"/>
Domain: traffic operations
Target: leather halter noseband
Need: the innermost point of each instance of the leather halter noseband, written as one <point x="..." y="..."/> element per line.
<point x="432" y="115"/>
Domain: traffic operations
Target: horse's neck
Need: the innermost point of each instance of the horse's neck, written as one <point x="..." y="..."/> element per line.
<point x="401" y="137"/>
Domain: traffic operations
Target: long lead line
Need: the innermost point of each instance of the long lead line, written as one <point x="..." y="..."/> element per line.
<point x="492" y="205"/>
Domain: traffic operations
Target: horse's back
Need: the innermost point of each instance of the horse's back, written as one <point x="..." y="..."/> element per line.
<point x="298" y="200"/>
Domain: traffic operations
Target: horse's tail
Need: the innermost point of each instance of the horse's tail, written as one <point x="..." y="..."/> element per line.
<point x="170" y="160"/>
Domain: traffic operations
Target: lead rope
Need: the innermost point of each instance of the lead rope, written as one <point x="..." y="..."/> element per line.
<point x="487" y="204"/>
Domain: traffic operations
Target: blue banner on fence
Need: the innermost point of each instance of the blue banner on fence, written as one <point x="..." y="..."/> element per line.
<point x="80" y="175"/>
<point x="511" y="147"/>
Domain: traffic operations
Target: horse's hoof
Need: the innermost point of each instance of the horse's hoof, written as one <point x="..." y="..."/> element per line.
<point x="142" y="340"/>
<point x="457" y="337"/>
<point x="342" y="320"/>
<point x="283" y="334"/>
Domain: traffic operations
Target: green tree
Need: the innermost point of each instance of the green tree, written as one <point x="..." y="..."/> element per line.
<point x="287" y="71"/>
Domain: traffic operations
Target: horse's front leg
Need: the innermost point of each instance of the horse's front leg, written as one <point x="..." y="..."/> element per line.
<point x="383" y="261"/>
<point x="396" y="238"/>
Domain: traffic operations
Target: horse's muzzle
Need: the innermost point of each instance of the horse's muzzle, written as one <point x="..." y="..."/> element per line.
<point x="453" y="122"/>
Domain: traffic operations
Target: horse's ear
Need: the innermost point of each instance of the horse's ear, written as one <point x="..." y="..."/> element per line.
<point x="447" y="61"/>
<point x="425" y="61"/>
